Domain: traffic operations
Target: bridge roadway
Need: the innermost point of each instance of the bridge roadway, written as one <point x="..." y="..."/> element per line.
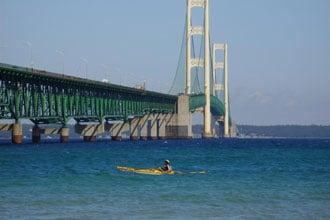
<point x="97" y="107"/>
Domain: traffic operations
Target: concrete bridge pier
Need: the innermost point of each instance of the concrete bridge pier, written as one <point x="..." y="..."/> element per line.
<point x="184" y="120"/>
<point x="144" y="125"/>
<point x="135" y="129"/>
<point x="17" y="133"/>
<point x="153" y="127"/>
<point x="171" y="128"/>
<point x="179" y="125"/>
<point x="162" y="126"/>
<point x="89" y="131"/>
<point x="117" y="130"/>
<point x="64" y="134"/>
<point x="37" y="131"/>
<point x="92" y="131"/>
<point x="36" y="134"/>
<point x="149" y="127"/>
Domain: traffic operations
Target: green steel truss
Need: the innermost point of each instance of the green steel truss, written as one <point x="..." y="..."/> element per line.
<point x="45" y="97"/>
<point x="198" y="101"/>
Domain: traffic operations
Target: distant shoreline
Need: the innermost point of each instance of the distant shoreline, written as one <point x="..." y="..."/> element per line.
<point x="278" y="131"/>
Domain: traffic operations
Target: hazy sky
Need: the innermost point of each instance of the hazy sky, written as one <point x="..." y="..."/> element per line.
<point x="279" y="49"/>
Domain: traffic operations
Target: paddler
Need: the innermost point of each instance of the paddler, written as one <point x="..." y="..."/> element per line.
<point x="167" y="166"/>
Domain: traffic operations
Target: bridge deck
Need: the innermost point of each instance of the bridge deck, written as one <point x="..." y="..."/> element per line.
<point x="44" y="96"/>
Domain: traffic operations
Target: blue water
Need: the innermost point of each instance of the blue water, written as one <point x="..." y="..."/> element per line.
<point x="244" y="179"/>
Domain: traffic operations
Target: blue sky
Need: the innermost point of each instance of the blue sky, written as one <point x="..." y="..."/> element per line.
<point x="279" y="50"/>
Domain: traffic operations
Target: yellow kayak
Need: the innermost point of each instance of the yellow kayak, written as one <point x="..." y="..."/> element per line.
<point x="153" y="171"/>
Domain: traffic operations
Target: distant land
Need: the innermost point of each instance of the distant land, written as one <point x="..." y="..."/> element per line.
<point x="280" y="131"/>
<point x="244" y="131"/>
<point x="286" y="131"/>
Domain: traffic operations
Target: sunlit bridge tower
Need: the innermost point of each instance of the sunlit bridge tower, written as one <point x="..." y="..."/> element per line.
<point x="222" y="87"/>
<point x="190" y="32"/>
<point x="192" y="62"/>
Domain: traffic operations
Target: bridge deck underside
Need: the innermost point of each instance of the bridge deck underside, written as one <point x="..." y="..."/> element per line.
<point x="47" y="97"/>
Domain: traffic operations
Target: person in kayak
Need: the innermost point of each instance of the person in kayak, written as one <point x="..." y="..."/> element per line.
<point x="167" y="166"/>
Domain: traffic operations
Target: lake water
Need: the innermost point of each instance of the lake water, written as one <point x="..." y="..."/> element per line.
<point x="244" y="179"/>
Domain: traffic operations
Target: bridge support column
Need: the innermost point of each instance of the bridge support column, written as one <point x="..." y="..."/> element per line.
<point x="117" y="130"/>
<point x="162" y="126"/>
<point x="144" y="127"/>
<point x="64" y="134"/>
<point x="135" y="129"/>
<point x="36" y="134"/>
<point x="184" y="123"/>
<point x="92" y="131"/>
<point x="89" y="132"/>
<point x="153" y="125"/>
<point x="17" y="133"/>
<point x="179" y="125"/>
<point x="171" y="128"/>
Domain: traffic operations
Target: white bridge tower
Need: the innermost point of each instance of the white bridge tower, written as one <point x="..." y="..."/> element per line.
<point x="222" y="87"/>
<point x="193" y="62"/>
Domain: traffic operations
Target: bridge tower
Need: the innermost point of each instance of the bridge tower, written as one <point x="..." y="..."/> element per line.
<point x="193" y="62"/>
<point x="226" y="92"/>
<point x="190" y="32"/>
<point x="222" y="87"/>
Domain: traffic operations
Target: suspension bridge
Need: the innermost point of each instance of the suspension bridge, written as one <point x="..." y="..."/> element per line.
<point x="200" y="85"/>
